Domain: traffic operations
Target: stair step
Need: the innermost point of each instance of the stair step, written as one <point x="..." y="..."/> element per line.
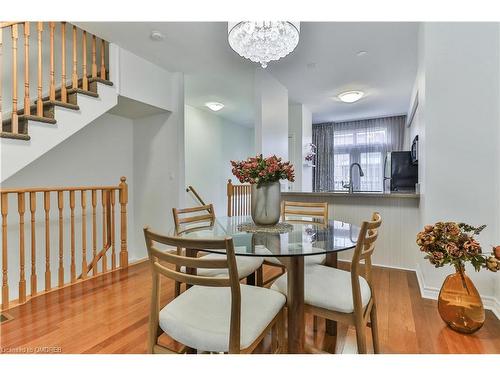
<point x="22" y="137"/>
<point x="48" y="103"/>
<point x="73" y="98"/>
<point x="23" y="123"/>
<point x="84" y="92"/>
<point x="92" y="91"/>
<point x="48" y="108"/>
<point x="100" y="80"/>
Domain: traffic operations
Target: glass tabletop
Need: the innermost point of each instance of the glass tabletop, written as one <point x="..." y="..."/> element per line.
<point x="305" y="238"/>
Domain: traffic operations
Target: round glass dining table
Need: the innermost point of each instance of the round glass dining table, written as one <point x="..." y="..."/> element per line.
<point x="303" y="238"/>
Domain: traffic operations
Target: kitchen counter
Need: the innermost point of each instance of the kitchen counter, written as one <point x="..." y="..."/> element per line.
<point x="356" y="194"/>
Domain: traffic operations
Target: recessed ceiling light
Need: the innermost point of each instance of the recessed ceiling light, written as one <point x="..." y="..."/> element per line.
<point x="156" y="36"/>
<point x="214" y="106"/>
<point x="361" y="53"/>
<point x="351" y="96"/>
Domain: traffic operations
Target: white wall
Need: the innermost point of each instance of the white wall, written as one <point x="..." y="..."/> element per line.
<point x="271" y="115"/>
<point x="299" y="135"/>
<point x="461" y="136"/>
<point x="141" y="80"/>
<point x="211" y="142"/>
<point x="159" y="170"/>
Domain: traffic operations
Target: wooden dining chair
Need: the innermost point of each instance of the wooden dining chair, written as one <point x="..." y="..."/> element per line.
<point x="301" y="212"/>
<point x="203" y="218"/>
<point x="217" y="314"/>
<point x="344" y="296"/>
<point x="304" y="211"/>
<point x="239" y="199"/>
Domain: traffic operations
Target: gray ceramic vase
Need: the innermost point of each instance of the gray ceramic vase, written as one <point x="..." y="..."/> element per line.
<point x="266" y="203"/>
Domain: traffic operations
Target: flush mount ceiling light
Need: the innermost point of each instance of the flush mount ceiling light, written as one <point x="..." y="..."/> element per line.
<point x="214" y="106"/>
<point x="351" y="96"/>
<point x="263" y="41"/>
<point x="156" y="36"/>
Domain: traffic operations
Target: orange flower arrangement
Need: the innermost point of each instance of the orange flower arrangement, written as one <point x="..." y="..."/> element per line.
<point x="454" y="243"/>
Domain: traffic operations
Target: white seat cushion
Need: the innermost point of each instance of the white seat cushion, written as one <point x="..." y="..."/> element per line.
<point x="246" y="266"/>
<point x="328" y="288"/>
<point x="200" y="317"/>
<point x="308" y="260"/>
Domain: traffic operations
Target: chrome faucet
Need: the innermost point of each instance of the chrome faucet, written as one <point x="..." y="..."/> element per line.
<point x="350" y="184"/>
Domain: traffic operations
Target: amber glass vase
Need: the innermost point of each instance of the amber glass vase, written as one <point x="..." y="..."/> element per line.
<point x="460" y="304"/>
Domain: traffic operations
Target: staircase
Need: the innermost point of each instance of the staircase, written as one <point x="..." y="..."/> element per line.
<point x="80" y="96"/>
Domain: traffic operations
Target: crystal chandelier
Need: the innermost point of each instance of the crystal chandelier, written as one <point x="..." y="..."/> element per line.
<point x="263" y="41"/>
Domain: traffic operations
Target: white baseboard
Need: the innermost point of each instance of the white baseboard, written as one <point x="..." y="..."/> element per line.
<point x="489" y="302"/>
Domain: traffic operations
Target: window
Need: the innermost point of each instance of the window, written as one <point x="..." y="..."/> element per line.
<point x="371" y="162"/>
<point x="351" y="147"/>
<point x="340" y="170"/>
<point x="365" y="142"/>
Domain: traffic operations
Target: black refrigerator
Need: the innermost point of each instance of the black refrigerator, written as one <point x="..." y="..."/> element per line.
<point x="400" y="172"/>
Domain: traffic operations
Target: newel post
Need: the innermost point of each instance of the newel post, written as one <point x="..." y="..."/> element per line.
<point x="123" y="222"/>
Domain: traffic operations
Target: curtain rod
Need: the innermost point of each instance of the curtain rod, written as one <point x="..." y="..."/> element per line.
<point x="359" y="119"/>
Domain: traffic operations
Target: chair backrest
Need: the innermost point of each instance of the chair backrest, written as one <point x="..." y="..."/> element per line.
<point x="159" y="259"/>
<point x="193" y="217"/>
<point x="239" y="199"/>
<point x="299" y="211"/>
<point x="365" y="246"/>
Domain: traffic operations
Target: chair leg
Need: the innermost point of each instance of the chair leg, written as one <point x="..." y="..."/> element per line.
<point x="315" y="323"/>
<point x="152" y="339"/>
<point x="251" y="279"/>
<point x="361" y="336"/>
<point x="177" y="289"/>
<point x="374" y="328"/>
<point x="260" y="276"/>
<point x="274" y="338"/>
<point x="281" y="331"/>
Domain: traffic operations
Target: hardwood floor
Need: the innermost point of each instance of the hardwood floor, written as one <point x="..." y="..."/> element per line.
<point x="109" y="314"/>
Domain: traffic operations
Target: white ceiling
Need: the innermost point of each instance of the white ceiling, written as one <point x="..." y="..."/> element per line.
<point x="216" y="73"/>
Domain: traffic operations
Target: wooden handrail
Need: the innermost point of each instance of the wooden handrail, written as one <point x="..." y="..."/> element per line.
<point x="8" y="24"/>
<point x="195" y="193"/>
<point x="57" y="188"/>
<point x="65" y="198"/>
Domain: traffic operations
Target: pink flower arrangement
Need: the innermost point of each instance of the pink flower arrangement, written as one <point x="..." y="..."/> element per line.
<point x="259" y="170"/>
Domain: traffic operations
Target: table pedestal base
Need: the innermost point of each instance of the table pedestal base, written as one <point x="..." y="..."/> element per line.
<point x="295" y="301"/>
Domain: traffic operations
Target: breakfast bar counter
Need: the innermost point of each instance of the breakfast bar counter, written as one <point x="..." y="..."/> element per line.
<point x="356" y="194"/>
<point x="401" y="221"/>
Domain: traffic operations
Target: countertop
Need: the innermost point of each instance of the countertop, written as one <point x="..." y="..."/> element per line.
<point x="356" y="194"/>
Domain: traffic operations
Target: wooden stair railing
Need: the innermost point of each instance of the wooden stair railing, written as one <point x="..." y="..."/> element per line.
<point x="196" y="195"/>
<point x="239" y="199"/>
<point x="66" y="197"/>
<point x="15" y="125"/>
